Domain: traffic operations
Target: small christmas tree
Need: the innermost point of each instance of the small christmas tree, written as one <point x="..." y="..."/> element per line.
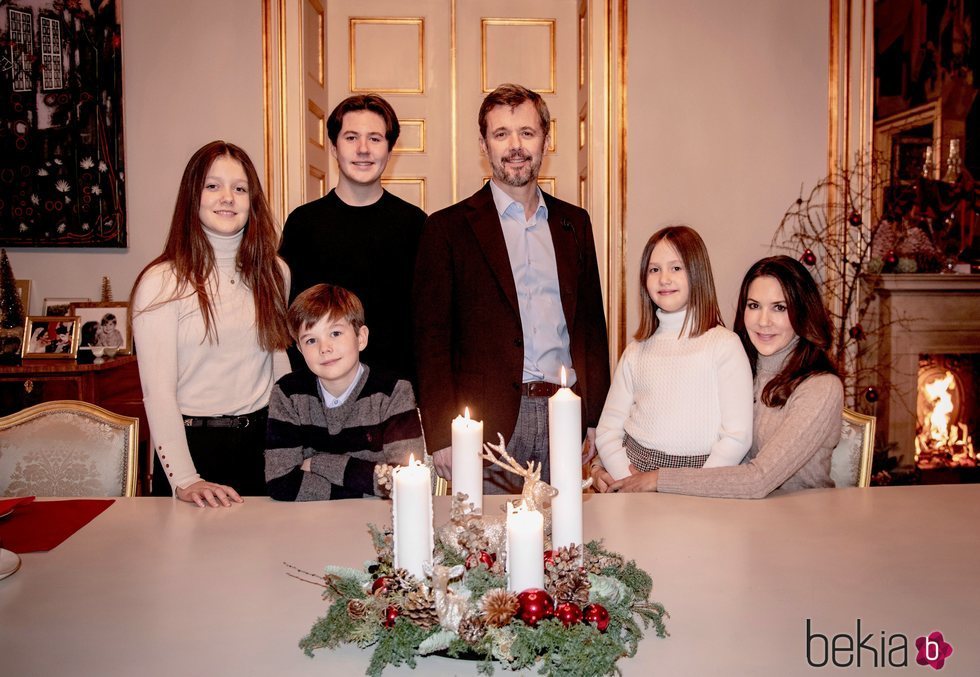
<point x="106" y="288"/>
<point x="11" y="309"/>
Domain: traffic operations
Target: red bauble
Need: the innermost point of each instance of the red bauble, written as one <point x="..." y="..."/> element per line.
<point x="535" y="606"/>
<point x="549" y="558"/>
<point x="871" y="394"/>
<point x="568" y="613"/>
<point x="856" y="332"/>
<point x="487" y="558"/>
<point x="809" y="258"/>
<point x="596" y="613"/>
<point x="391" y="613"/>
<point x="380" y="585"/>
<point x="891" y="259"/>
<point x="855" y="219"/>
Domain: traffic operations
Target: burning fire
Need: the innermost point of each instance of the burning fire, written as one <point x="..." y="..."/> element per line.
<point x="942" y="442"/>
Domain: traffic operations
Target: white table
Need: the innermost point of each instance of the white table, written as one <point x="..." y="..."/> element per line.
<point x="151" y="584"/>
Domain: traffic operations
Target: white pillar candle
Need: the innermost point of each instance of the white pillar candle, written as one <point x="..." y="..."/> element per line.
<point x="525" y="549"/>
<point x="411" y="516"/>
<point x="565" y="448"/>
<point x="468" y="459"/>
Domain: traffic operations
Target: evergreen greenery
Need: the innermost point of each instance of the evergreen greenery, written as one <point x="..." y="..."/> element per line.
<point x="549" y="646"/>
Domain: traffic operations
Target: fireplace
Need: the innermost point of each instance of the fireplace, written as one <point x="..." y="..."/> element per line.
<point x="946" y="411"/>
<point x="931" y="326"/>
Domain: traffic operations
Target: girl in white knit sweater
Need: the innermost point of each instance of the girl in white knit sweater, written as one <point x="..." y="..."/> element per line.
<point x="682" y="392"/>
<point x="208" y="319"/>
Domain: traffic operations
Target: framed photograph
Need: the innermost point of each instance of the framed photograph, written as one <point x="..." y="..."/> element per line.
<point x="105" y="325"/>
<point x="59" y="307"/>
<point x="24" y="291"/>
<point x="50" y="336"/>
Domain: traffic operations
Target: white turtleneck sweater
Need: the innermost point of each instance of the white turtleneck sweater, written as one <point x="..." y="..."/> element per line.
<point x="184" y="373"/>
<point x="680" y="395"/>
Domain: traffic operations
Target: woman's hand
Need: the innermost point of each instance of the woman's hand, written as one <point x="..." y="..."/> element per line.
<point x="601" y="479"/>
<point x="208" y="493"/>
<point x="637" y="481"/>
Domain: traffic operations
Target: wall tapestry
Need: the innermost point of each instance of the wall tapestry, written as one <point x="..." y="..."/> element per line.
<point x="61" y="133"/>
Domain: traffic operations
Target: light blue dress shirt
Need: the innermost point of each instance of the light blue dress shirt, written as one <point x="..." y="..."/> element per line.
<point x="332" y="402"/>
<point x="532" y="261"/>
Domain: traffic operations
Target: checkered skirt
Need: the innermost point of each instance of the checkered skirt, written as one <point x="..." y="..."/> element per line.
<point x="650" y="459"/>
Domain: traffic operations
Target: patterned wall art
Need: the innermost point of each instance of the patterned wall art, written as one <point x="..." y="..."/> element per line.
<point x="61" y="133"/>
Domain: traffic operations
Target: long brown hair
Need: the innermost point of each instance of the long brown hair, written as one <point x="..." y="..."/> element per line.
<point x="809" y="320"/>
<point x="189" y="252"/>
<point x="702" y="304"/>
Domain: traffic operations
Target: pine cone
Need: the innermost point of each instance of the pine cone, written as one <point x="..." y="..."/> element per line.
<point x="420" y="608"/>
<point x="566" y="579"/>
<point x="356" y="609"/>
<point x="594" y="564"/>
<point x="472" y="628"/>
<point x="499" y="606"/>
<point x="404" y="581"/>
<point x="572" y="588"/>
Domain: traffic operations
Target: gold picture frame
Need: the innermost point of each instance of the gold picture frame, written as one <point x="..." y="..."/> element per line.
<point x="50" y="337"/>
<point x="96" y="328"/>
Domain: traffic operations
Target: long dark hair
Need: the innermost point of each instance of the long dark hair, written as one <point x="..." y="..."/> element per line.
<point x="809" y="320"/>
<point x="702" y="304"/>
<point x="192" y="257"/>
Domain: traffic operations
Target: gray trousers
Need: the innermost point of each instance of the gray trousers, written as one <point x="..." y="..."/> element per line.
<point x="529" y="442"/>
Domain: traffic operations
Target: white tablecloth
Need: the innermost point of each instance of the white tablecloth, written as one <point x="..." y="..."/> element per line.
<point x="152" y="585"/>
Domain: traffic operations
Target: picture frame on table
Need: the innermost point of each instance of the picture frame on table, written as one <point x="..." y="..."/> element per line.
<point x="103" y="324"/>
<point x="24" y="291"/>
<point x="50" y="336"/>
<point x="59" y="306"/>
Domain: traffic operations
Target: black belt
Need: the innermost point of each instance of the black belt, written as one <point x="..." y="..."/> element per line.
<point x="243" y="421"/>
<point x="539" y="389"/>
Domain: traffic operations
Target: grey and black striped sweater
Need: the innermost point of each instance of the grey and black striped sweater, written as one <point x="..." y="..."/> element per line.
<point x="377" y="424"/>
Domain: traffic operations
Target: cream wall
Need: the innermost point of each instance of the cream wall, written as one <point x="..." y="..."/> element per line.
<point x="727" y="119"/>
<point x="192" y="74"/>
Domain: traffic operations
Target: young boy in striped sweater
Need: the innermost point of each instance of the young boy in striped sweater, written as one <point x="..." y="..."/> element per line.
<point x="328" y="430"/>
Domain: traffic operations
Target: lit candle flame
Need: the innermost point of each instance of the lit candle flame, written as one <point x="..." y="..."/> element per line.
<point x="411" y="460"/>
<point x="563" y="376"/>
<point x="466" y="413"/>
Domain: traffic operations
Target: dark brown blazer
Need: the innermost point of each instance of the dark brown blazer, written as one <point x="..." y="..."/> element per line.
<point x="469" y="344"/>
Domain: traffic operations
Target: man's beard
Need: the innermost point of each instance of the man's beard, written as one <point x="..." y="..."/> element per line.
<point x="516" y="177"/>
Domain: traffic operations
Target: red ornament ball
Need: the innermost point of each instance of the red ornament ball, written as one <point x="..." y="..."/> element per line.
<point x="871" y="394"/>
<point x="597" y="614"/>
<point x="487" y="558"/>
<point x="855" y="219"/>
<point x="535" y="606"/>
<point x="568" y="613"/>
<point x="391" y="613"/>
<point x="549" y="558"/>
<point x="891" y="259"/>
<point x="809" y="258"/>
<point x="856" y="332"/>
<point x="380" y="585"/>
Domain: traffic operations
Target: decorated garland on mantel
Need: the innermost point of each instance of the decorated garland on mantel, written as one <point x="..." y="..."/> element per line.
<point x="588" y="616"/>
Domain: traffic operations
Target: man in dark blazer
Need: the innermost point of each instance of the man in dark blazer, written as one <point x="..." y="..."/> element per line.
<point x="506" y="293"/>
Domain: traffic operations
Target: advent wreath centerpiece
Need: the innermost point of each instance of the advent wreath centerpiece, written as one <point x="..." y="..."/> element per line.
<point x="588" y="615"/>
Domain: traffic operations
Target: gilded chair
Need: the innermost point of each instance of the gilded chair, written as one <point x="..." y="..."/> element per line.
<point x="850" y="464"/>
<point x="68" y="448"/>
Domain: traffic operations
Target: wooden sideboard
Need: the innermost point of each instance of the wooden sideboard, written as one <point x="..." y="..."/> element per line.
<point x="113" y="384"/>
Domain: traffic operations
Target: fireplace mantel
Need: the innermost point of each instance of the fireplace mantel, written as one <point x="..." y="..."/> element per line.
<point x="922" y="314"/>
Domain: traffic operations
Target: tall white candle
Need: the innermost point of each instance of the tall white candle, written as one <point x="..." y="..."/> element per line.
<point x="468" y="459"/>
<point x="411" y="516"/>
<point x="525" y="549"/>
<point x="565" y="447"/>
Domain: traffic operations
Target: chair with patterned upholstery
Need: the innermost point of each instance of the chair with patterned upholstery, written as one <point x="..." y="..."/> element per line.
<point x="850" y="464"/>
<point x="68" y="448"/>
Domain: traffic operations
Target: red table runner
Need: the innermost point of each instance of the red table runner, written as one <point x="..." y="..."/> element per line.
<point x="43" y="525"/>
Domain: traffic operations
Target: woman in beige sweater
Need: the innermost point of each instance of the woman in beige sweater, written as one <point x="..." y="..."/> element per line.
<point x="786" y="332"/>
